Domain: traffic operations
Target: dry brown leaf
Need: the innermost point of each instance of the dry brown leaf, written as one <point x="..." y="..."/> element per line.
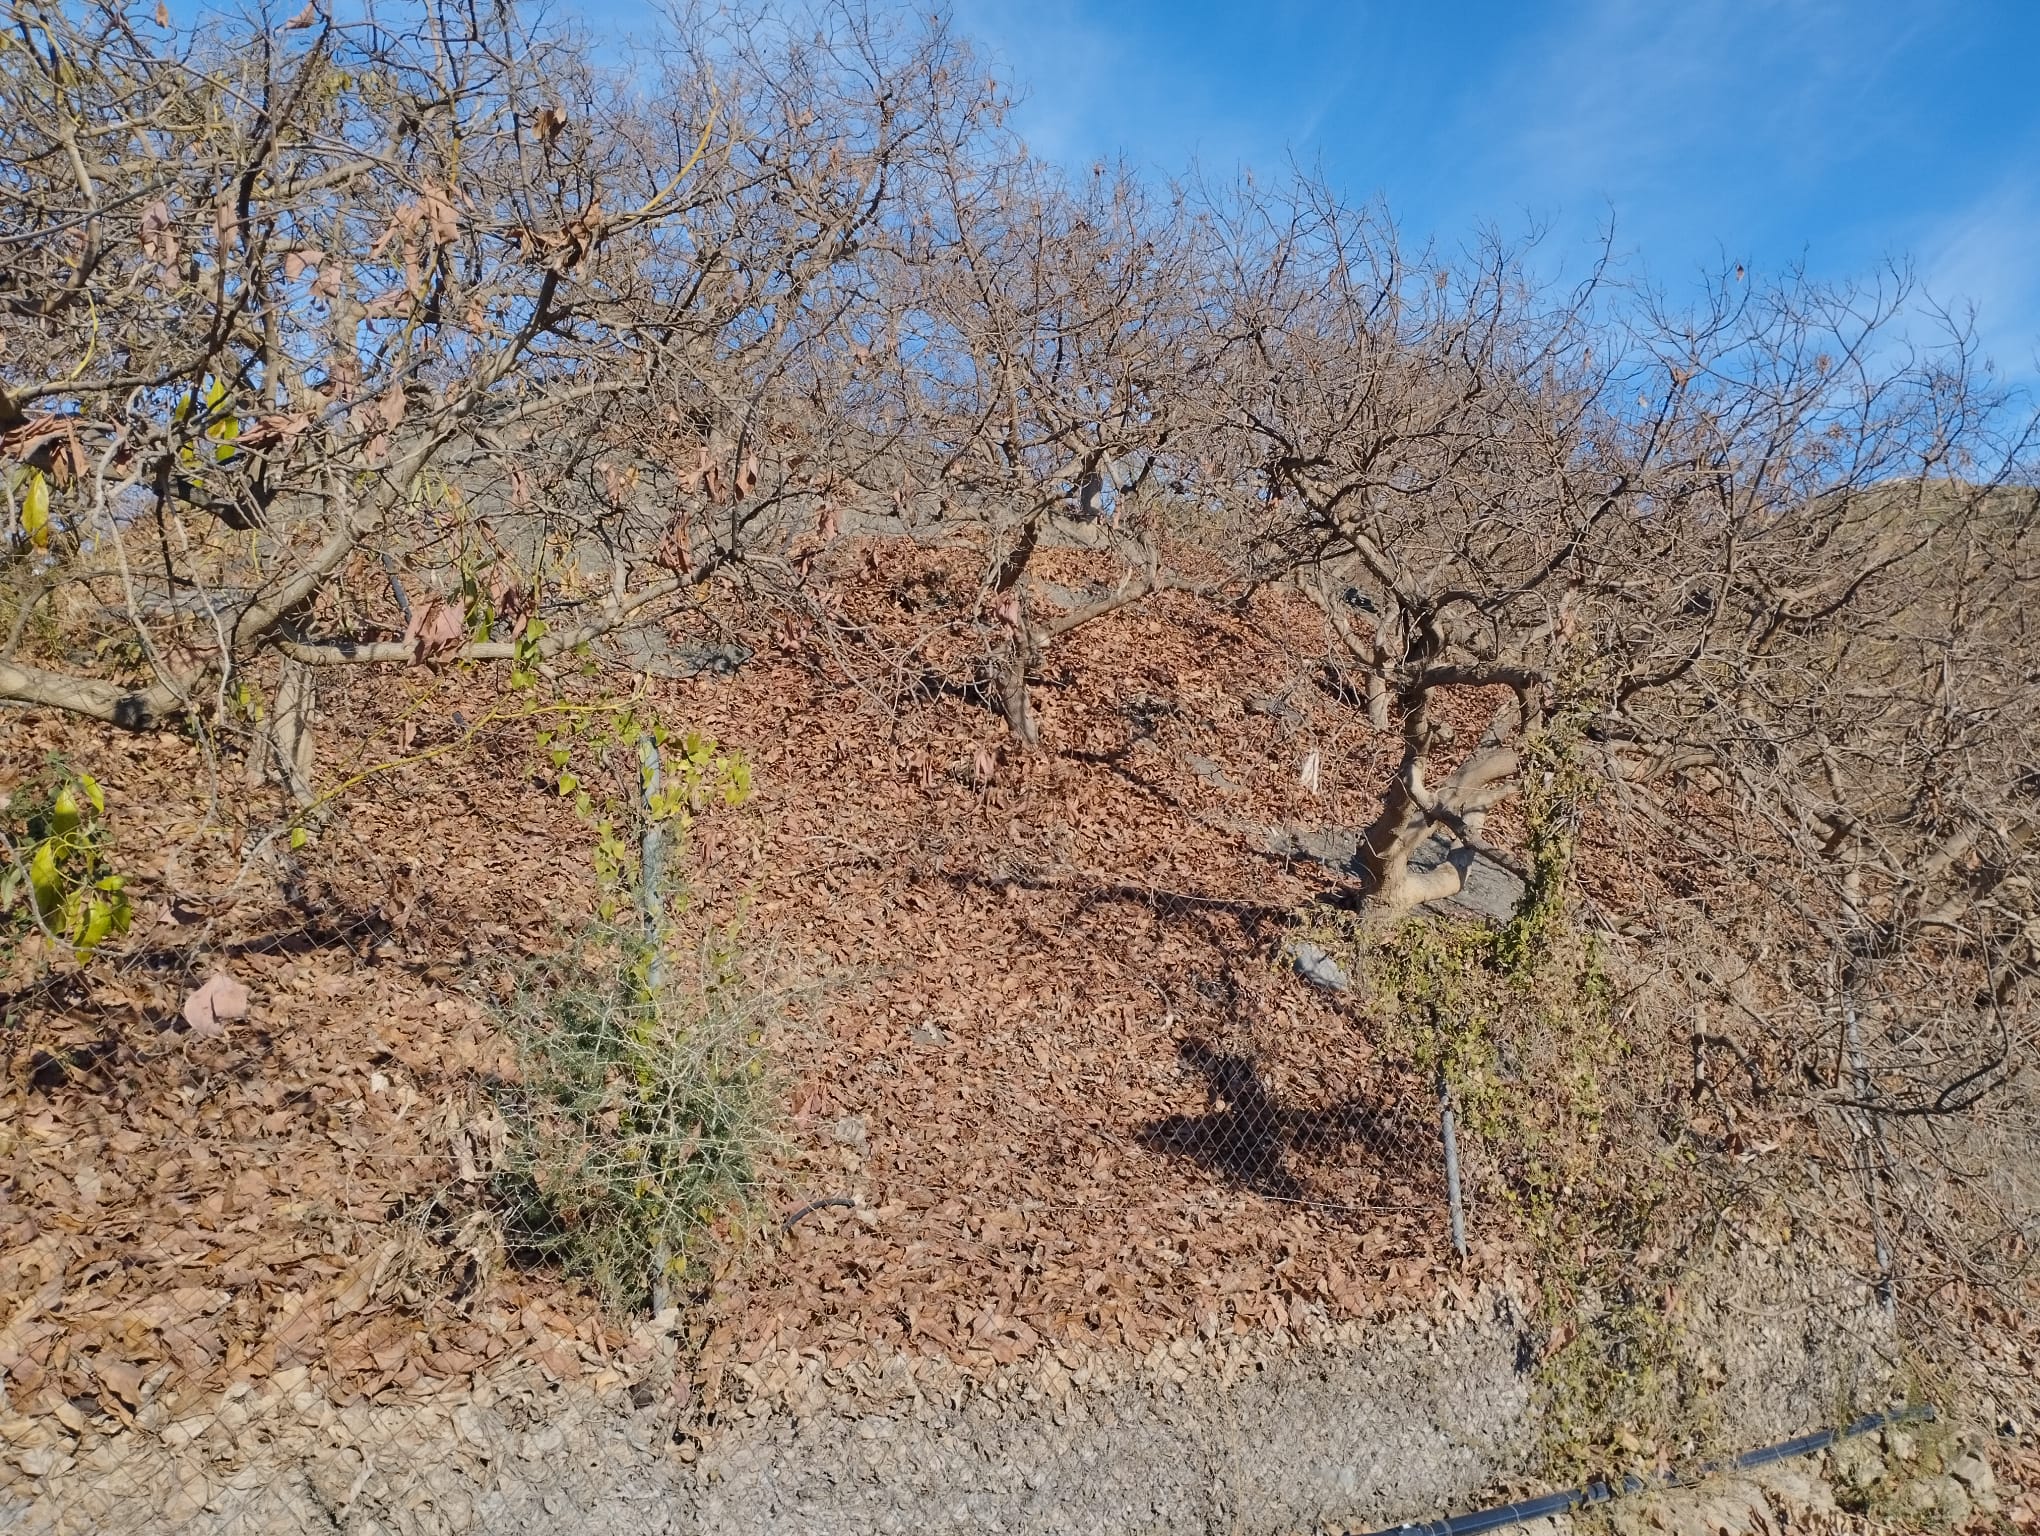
<point x="439" y="216"/>
<point x="437" y="628"/>
<point x="159" y="234"/>
<point x="209" y="1009"/>
<point x="122" y="1379"/>
<point x="672" y="553"/>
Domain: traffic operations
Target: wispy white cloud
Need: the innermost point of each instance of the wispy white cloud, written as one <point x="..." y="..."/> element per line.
<point x="1834" y="133"/>
<point x="1073" y="68"/>
<point x="1985" y="257"/>
<point x="1164" y="96"/>
<point x="1647" y="105"/>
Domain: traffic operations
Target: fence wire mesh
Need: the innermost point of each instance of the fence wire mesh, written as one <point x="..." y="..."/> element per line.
<point x="265" y="1278"/>
<point x="280" y="1268"/>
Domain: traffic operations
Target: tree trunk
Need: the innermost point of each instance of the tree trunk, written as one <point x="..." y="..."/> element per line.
<point x="1010" y="661"/>
<point x="284" y="747"/>
<point x="1410" y="810"/>
<point x="1391" y="889"/>
<point x="1377" y="702"/>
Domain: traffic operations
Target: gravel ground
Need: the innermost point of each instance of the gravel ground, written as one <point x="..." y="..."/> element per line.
<point x="1358" y="1428"/>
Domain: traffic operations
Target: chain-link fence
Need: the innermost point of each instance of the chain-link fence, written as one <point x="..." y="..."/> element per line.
<point x="271" y="1257"/>
<point x="260" y="1277"/>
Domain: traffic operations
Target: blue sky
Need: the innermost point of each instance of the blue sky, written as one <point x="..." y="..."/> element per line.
<point x="1841" y="133"/>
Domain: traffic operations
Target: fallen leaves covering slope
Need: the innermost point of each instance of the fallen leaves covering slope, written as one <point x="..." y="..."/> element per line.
<point x="1023" y="1063"/>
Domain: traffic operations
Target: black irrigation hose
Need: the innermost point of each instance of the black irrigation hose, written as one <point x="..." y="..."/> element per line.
<point x="812" y="1206"/>
<point x="1599" y="1493"/>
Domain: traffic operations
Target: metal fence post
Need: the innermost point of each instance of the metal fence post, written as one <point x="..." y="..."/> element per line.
<point x="651" y="908"/>
<point x="652" y="861"/>
<point x="1870" y="1143"/>
<point x="1451" y="1134"/>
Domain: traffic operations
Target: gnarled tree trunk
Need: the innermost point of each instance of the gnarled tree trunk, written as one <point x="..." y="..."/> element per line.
<point x="1412" y="810"/>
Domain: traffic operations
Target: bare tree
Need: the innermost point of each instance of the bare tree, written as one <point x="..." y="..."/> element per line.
<point x="1836" y="707"/>
<point x="1411" y="439"/>
<point x="1040" y="337"/>
<point x="363" y="342"/>
<point x="1639" y="516"/>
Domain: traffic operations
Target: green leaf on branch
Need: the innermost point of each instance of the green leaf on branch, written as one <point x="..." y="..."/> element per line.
<point x="35" y="510"/>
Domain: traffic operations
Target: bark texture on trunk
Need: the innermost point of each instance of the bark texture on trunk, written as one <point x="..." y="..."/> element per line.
<point x="1010" y="662"/>
<point x="283" y="747"/>
<point x="1412" y="810"/>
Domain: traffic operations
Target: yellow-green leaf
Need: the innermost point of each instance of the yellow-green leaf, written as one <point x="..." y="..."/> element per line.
<point x="43" y="881"/>
<point x="64" y="812"/>
<point x="98" y="924"/>
<point x="568" y="784"/>
<point x="298" y="838"/>
<point x="35" y="510"/>
<point x="93" y="792"/>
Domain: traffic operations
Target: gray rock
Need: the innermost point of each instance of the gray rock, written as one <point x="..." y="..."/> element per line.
<point x="850" y="1132"/>
<point x="1799" y="1490"/>
<point x="1975" y="1475"/>
<point x="1857" y="1465"/>
<point x="1316" y="966"/>
<point x="1941" y="1497"/>
<point x="1212" y="774"/>
<point x="1275" y="706"/>
<point x="1489" y="891"/>
<point x="927" y="1034"/>
<point x="1330" y="846"/>
<point x="655" y="655"/>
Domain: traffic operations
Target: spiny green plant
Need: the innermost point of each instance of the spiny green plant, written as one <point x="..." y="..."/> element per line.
<point x="642" y="1111"/>
<point x="644" y="1102"/>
